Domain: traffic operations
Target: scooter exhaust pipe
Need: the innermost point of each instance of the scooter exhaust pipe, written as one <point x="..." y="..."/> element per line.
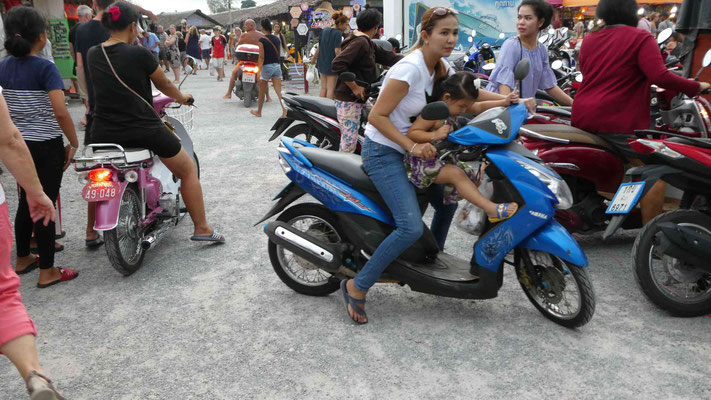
<point x="151" y="239"/>
<point x="326" y="255"/>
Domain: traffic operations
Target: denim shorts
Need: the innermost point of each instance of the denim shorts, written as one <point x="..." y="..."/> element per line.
<point x="270" y="71"/>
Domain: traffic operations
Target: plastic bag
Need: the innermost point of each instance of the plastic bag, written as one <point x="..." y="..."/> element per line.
<point x="312" y="75"/>
<point x="470" y="218"/>
<point x="212" y="71"/>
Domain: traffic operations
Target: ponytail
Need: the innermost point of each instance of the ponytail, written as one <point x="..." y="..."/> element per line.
<point x="23" y="27"/>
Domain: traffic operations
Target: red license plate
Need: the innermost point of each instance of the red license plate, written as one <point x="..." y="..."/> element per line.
<point x="100" y="191"/>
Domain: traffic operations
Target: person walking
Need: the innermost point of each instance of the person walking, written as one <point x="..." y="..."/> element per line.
<point x="282" y="50"/>
<point x="268" y="67"/>
<point x="84" y="14"/>
<point x="173" y="52"/>
<point x="218" y="42"/>
<point x="205" y="48"/>
<point x="329" y="46"/>
<point x="162" y="54"/>
<point x="33" y="90"/>
<point x="250" y="36"/>
<point x="192" y="49"/>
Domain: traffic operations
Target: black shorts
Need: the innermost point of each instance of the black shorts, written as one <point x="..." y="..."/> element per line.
<point x="160" y="141"/>
<point x="206" y="54"/>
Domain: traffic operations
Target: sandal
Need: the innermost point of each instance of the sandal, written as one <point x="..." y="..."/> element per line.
<point x="41" y="388"/>
<point x="67" y="275"/>
<point x="94" y="242"/>
<point x="31" y="267"/>
<point x="354" y="303"/>
<point x="213" y="237"/>
<point x="502" y="212"/>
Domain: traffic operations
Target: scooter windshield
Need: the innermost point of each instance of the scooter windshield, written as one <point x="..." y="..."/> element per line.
<point x="496" y="126"/>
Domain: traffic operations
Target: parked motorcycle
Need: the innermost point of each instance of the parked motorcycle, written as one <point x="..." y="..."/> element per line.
<point x="313" y="246"/>
<point x="137" y="198"/>
<point x="246" y="87"/>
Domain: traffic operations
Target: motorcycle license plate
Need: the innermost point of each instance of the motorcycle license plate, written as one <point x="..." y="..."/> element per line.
<point x="249" y="78"/>
<point x="100" y="191"/>
<point x="625" y="198"/>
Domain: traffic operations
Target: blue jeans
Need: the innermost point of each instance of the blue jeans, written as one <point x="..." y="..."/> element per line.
<point x="443" y="214"/>
<point x="386" y="169"/>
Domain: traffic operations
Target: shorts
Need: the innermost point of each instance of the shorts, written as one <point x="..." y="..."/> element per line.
<point x="270" y="71"/>
<point x="218" y="62"/>
<point x="206" y="54"/>
<point x="162" y="54"/>
<point x="159" y="140"/>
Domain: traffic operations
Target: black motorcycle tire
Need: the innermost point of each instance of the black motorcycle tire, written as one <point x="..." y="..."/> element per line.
<point x="248" y="98"/>
<point x="320" y="212"/>
<point x="112" y="241"/>
<point x="587" y="294"/>
<point x="305" y="132"/>
<point x="640" y="255"/>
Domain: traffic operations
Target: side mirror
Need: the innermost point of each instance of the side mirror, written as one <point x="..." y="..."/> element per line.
<point x="664" y="36"/>
<point x="557" y="64"/>
<point x="489" y="67"/>
<point x="348" y="77"/>
<point x="522" y="69"/>
<point x="190" y="63"/>
<point x="543" y="39"/>
<point x="188" y="69"/>
<point x="435" y="111"/>
<point x="502" y="35"/>
<point x="707" y="59"/>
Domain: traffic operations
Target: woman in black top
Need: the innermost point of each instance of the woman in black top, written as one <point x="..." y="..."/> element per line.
<point x="269" y="67"/>
<point x="120" y="117"/>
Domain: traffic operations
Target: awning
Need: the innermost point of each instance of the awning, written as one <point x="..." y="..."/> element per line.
<point x="556" y="3"/>
<point x="589" y="3"/>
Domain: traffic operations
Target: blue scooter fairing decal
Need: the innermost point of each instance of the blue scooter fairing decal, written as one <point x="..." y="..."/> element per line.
<point x="493" y="127"/>
<point x="556" y="240"/>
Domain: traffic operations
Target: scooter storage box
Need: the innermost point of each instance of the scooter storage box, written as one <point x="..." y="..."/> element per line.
<point x="248" y="52"/>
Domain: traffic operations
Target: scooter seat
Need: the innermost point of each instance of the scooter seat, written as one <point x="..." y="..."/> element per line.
<point x="318" y="105"/>
<point x="575" y="135"/>
<point x="346" y="166"/>
<point x="133" y="154"/>
<point x="559" y="111"/>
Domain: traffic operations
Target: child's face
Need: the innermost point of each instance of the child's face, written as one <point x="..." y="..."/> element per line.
<point x="457" y="107"/>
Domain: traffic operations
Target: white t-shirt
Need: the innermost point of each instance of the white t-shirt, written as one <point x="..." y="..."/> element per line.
<point x="412" y="70"/>
<point x="204" y="42"/>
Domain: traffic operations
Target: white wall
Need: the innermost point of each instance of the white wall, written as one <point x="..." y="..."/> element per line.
<point x="393" y="18"/>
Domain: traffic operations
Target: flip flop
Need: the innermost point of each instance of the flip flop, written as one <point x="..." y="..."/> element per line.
<point x="41" y="388"/>
<point x="67" y="275"/>
<point x="213" y="237"/>
<point x="502" y="212"/>
<point x="94" y="242"/>
<point x="33" y="266"/>
<point x="354" y="303"/>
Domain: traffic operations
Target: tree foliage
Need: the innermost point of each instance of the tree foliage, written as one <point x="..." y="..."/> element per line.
<point x="248" y="4"/>
<point x="217" y="6"/>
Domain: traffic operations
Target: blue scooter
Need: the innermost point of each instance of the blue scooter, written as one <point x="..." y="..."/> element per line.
<point x="313" y="246"/>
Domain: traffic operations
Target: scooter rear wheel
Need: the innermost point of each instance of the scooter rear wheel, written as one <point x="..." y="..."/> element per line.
<point x="306" y="133"/>
<point x="295" y="272"/>
<point x="668" y="282"/>
<point x="123" y="243"/>
<point x="565" y="295"/>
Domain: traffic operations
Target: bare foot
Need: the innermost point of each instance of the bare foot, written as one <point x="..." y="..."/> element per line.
<point x="356" y="294"/>
<point x="227" y="96"/>
<point x="283" y="114"/>
<point x="24" y="262"/>
<point x="256" y="113"/>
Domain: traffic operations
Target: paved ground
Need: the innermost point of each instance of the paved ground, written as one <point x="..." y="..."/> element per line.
<point x="202" y="322"/>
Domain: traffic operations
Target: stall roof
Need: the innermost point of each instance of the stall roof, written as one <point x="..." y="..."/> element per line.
<point x="592" y="3"/>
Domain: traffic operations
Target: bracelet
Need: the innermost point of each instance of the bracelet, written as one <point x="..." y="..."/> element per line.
<point x="413" y="147"/>
<point x="75" y="148"/>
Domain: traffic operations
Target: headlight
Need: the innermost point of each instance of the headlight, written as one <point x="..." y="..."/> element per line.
<point x="555" y="184"/>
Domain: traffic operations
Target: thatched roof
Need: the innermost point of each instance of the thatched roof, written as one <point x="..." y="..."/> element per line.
<point x="194" y="17"/>
<point x="272" y="10"/>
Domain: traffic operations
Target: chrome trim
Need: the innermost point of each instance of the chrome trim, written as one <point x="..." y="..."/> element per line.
<point x="569" y="166"/>
<point x="304" y="244"/>
<point x="541" y="136"/>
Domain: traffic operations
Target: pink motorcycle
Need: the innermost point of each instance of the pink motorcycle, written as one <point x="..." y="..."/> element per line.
<point x="137" y="198"/>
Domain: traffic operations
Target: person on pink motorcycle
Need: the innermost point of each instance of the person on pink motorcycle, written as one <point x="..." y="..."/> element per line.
<point x="121" y="117"/>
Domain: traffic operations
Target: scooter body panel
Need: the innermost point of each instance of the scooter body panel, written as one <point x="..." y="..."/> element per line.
<point x="107" y="211"/>
<point x="553" y="238"/>
<point x="595" y="164"/>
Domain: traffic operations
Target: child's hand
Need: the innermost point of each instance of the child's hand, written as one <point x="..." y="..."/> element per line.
<point x="512" y="98"/>
<point x="442" y="132"/>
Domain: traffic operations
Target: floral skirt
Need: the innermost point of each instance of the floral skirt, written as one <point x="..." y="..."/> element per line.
<point x="422" y="173"/>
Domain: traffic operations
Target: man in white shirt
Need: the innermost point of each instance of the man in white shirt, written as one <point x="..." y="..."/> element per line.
<point x="205" y="47"/>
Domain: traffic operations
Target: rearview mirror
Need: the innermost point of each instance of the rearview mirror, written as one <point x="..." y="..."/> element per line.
<point x="557" y="64"/>
<point x="543" y="39"/>
<point x="522" y="69"/>
<point x="348" y="76"/>
<point x="470" y="40"/>
<point x="489" y="67"/>
<point x="435" y="111"/>
<point x="664" y="35"/>
<point x="579" y="78"/>
<point x="190" y="62"/>
<point x="188" y="69"/>
<point x="707" y="59"/>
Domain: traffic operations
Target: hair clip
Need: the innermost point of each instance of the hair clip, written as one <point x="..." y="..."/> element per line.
<point x="115" y="13"/>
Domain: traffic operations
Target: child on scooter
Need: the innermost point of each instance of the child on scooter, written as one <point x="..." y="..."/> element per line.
<point x="459" y="92"/>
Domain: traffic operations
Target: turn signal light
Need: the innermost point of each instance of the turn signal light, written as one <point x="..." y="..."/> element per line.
<point x="251" y="69"/>
<point x="100" y="175"/>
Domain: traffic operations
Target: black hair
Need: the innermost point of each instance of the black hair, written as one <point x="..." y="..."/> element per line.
<point x="460" y="85"/>
<point x="618" y="12"/>
<point x="542" y="9"/>
<point x="103" y="4"/>
<point x="395" y="43"/>
<point x="267" y="25"/>
<point x="677" y="37"/>
<point x="119" y="18"/>
<point x="23" y="26"/>
<point x="369" y="19"/>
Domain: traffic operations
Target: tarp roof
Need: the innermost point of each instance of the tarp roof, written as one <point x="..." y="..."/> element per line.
<point x="592" y="3"/>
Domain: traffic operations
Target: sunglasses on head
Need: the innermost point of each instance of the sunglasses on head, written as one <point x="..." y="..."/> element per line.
<point x="440" y="11"/>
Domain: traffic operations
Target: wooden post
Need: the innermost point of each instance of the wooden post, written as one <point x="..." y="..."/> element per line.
<point x="306" y="81"/>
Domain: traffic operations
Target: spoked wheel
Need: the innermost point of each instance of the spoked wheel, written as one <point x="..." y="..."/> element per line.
<point x="565" y="294"/>
<point x="305" y="133"/>
<point x="123" y="243"/>
<point x="297" y="273"/>
<point x="671" y="283"/>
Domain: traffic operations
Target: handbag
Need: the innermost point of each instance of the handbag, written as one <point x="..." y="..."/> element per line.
<point x="167" y="124"/>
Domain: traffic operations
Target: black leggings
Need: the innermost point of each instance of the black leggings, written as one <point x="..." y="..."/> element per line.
<point x="49" y="160"/>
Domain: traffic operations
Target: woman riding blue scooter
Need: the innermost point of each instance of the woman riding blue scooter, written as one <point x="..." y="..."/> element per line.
<point x="403" y="97"/>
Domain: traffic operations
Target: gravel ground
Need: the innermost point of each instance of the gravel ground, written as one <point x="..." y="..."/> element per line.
<point x="215" y="322"/>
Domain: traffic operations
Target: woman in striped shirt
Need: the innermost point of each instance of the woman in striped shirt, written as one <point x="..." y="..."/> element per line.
<point x="33" y="88"/>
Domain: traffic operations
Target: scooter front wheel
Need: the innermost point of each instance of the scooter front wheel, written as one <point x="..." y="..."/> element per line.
<point x="123" y="243"/>
<point x="297" y="273"/>
<point x="564" y="293"/>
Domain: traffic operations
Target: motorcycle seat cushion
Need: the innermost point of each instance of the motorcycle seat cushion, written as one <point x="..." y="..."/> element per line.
<point x="318" y="105"/>
<point x="345" y="166"/>
<point x="133" y="154"/>
<point x="575" y="135"/>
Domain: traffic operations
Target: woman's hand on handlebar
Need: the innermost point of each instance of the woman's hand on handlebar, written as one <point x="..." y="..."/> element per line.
<point x="424" y="151"/>
<point x="187" y="99"/>
<point x="705" y="86"/>
<point x="359" y="91"/>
